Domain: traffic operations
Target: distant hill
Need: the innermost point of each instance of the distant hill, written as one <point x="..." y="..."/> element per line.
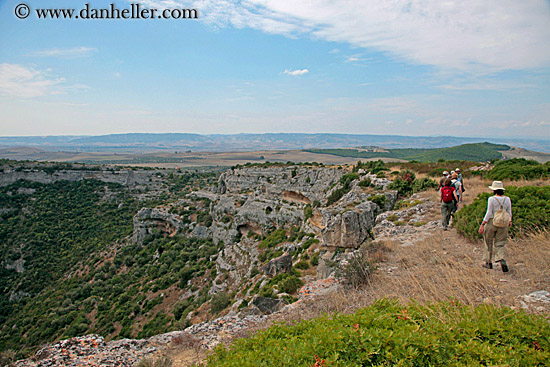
<point x="138" y="142"/>
<point x="479" y="152"/>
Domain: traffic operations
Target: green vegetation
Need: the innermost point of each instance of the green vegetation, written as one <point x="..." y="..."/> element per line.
<point x="274" y="238"/>
<point x="519" y="169"/>
<point x="72" y="270"/>
<point x="346" y="181"/>
<point x="371" y="166"/>
<point x="530" y="210"/>
<point x="389" y="334"/>
<point x="478" y="152"/>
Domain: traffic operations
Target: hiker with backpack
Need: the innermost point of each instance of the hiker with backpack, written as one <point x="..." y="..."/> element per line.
<point x="458" y="190"/>
<point x="448" y="202"/>
<point x="442" y="180"/>
<point x="461" y="179"/>
<point x="494" y="227"/>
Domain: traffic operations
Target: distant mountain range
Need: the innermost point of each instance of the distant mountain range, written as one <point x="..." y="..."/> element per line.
<point x="141" y="142"/>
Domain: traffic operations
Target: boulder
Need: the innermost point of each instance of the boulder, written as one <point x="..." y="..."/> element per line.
<point x="281" y="264"/>
<point x="268" y="305"/>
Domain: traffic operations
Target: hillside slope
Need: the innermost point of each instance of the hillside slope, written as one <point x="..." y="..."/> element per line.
<point x="416" y="260"/>
<point x="478" y="152"/>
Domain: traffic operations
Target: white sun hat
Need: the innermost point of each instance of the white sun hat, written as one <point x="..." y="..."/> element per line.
<point x="497" y="185"/>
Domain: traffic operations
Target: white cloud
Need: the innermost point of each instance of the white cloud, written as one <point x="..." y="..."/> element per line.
<point x="19" y="81"/>
<point x="67" y="52"/>
<point x="471" y="35"/>
<point x="296" y="72"/>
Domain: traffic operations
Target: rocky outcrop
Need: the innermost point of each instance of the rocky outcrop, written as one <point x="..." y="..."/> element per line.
<point x="90" y="350"/>
<point x="268" y="305"/>
<point x="123" y="177"/>
<point x="148" y="221"/>
<point x="300" y="184"/>
<point x="351" y="228"/>
<point x="349" y="223"/>
<point x="281" y="264"/>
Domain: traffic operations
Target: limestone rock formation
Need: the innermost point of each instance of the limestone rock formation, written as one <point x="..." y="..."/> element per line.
<point x="281" y="264"/>
<point x="149" y="220"/>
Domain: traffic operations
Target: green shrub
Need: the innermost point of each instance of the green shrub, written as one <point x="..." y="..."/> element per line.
<point x="519" y="168"/>
<point x="530" y="211"/>
<point x="290" y="285"/>
<point x="219" y="302"/>
<point x="365" y="183"/>
<point x="335" y="196"/>
<point x="308" y="212"/>
<point x="392" y="218"/>
<point x="303" y="265"/>
<point x="389" y="334"/>
<point x="379" y="200"/>
<point x="424" y="184"/>
<point x="274" y="238"/>
<point x="346" y="180"/>
<point x="314" y="261"/>
<point x="371" y="166"/>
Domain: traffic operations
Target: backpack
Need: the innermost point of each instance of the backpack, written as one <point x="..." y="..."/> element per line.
<point x="501" y="218"/>
<point x="447" y="194"/>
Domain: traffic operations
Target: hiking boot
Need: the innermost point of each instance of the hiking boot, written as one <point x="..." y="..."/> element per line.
<point x="504" y="266"/>
<point x="488" y="265"/>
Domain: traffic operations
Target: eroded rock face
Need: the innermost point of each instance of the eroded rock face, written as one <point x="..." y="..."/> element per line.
<point x="281" y="264"/>
<point x="147" y="220"/>
<point x="268" y="305"/>
<point x="351" y="228"/>
<point x="299" y="184"/>
<point x="349" y="223"/>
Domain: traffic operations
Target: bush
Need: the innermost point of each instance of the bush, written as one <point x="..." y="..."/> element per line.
<point x="274" y="238"/>
<point x="219" y="302"/>
<point x="424" y="184"/>
<point x="308" y="212"/>
<point x="365" y="183"/>
<point x="530" y="211"/>
<point x="371" y="166"/>
<point x="389" y="334"/>
<point x="519" y="168"/>
<point x="335" y="196"/>
<point x="302" y="265"/>
<point x="290" y="285"/>
<point x="379" y="200"/>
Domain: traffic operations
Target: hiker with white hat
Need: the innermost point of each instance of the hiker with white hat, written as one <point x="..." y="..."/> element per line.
<point x="494" y="227"/>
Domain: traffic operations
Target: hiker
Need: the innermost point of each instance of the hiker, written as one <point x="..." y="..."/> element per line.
<point x="442" y="180"/>
<point x="494" y="227"/>
<point x="458" y="189"/>
<point x="448" y="200"/>
<point x="461" y="179"/>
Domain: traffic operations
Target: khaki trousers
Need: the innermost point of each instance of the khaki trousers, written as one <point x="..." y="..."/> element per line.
<point x="495" y="239"/>
<point x="446" y="211"/>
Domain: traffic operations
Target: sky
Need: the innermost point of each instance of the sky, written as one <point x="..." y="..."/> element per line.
<point x="420" y="68"/>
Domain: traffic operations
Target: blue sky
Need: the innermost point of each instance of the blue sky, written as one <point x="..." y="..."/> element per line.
<point x="431" y="67"/>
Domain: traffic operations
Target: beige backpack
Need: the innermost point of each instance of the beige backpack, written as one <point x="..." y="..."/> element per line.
<point x="501" y="217"/>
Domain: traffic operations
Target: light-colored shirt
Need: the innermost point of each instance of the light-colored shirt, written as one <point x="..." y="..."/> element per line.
<point x="458" y="186"/>
<point x="493" y="205"/>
